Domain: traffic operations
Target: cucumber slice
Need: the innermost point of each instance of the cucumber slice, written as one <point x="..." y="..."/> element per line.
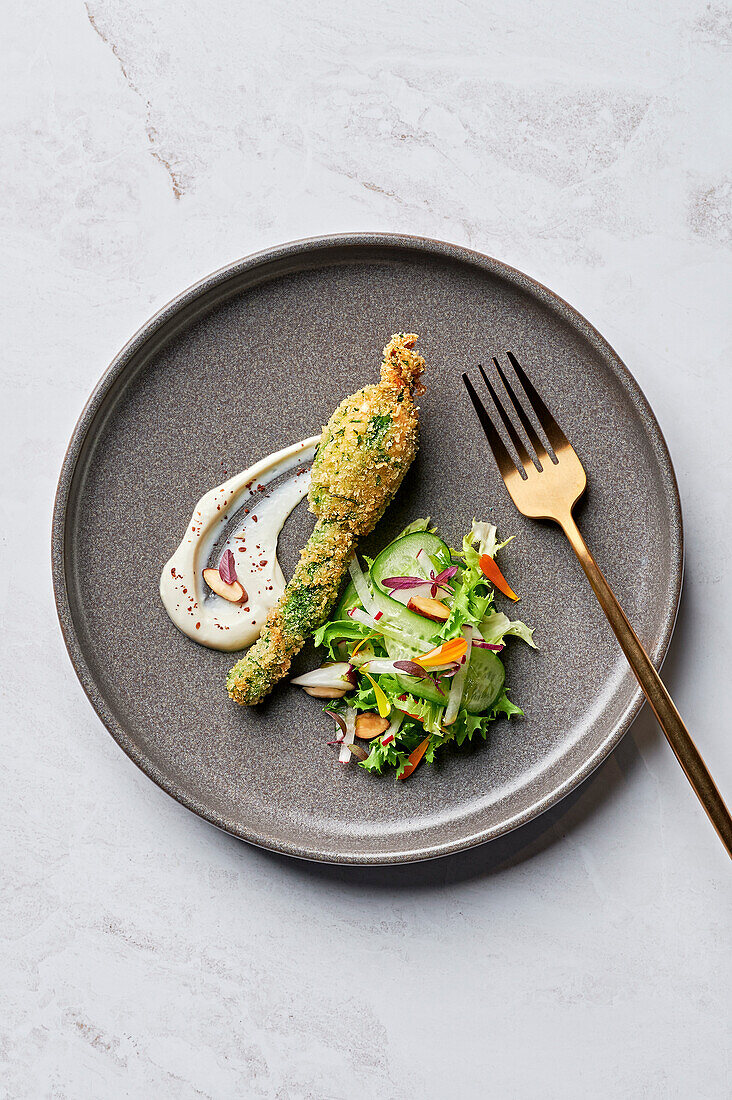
<point x="423" y="630"/>
<point x="484" y="681"/>
<point x="423" y="689"/>
<point x="399" y="558"/>
<point x="396" y="560"/>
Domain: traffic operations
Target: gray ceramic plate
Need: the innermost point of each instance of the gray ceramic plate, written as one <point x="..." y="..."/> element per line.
<point x="256" y="357"/>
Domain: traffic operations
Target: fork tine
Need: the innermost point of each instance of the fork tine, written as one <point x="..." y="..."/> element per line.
<point x="554" y="433"/>
<point x="513" y="435"/>
<point x="533" y="436"/>
<point x="503" y="459"/>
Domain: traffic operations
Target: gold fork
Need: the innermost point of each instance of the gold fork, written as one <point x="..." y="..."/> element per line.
<point x="546" y="485"/>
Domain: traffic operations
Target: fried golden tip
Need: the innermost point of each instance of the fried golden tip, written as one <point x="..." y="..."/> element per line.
<point x="401" y="365"/>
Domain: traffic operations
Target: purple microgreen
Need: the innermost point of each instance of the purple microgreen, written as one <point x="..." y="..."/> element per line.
<point x="227" y="568"/>
<point x="446" y="574"/>
<point x="434" y="680"/>
<point x="439" y="578"/>
<point x="341" y="723"/>
<point x="403" y="582"/>
<point x="487" y="645"/>
<point x="411" y="668"/>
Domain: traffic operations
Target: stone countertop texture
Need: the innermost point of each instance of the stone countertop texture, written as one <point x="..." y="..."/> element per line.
<point x="142" y="952"/>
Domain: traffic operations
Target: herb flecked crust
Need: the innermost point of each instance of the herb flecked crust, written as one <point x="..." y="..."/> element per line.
<point x="365" y="450"/>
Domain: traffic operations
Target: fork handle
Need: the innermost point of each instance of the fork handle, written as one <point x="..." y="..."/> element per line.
<point x="662" y="705"/>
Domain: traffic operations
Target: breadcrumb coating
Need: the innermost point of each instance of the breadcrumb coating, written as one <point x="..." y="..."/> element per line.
<point x="365" y="450"/>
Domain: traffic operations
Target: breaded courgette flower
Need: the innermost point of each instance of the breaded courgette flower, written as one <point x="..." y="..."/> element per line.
<point x="365" y="450"/>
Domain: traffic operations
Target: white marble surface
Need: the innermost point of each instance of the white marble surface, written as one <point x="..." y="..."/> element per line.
<point x="145" y="144"/>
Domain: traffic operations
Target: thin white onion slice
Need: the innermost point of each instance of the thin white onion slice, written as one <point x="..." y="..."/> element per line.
<point x="457" y="686"/>
<point x="362" y="587"/>
<point x="378" y="666"/>
<point x="384" y="626"/>
<point x="329" y="676"/>
<point x="344" y="755"/>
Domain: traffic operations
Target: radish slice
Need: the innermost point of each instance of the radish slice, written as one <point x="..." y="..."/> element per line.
<point x="345" y="754"/>
<point x="404" y="595"/>
<point x="457" y="686"/>
<point x="390" y="733"/>
<point x="424" y="560"/>
<point x="362" y="617"/>
<point x="329" y="676"/>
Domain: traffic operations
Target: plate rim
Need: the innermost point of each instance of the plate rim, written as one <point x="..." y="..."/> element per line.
<point x="181" y="304"/>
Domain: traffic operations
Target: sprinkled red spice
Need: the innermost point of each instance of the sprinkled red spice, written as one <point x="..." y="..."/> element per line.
<point x="198" y="626"/>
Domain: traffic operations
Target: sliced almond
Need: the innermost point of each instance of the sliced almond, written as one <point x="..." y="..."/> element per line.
<point x="234" y="593"/>
<point x="325" y="693"/>
<point x="431" y="609"/>
<point x="370" y="724"/>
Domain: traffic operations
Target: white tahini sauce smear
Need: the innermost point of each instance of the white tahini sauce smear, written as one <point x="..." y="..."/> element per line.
<point x="193" y="607"/>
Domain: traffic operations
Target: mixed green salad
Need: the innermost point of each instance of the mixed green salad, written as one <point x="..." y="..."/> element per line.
<point x="413" y="650"/>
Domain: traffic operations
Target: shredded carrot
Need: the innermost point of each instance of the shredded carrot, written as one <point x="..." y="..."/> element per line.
<point x="495" y="576"/>
<point x="415" y="758"/>
<point x="443" y="654"/>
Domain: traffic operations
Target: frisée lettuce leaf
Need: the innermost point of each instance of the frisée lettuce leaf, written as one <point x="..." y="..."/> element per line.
<point x="445" y="690"/>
